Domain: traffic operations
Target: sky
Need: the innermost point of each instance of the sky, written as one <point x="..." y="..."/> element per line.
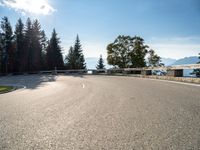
<point x="170" y="27"/>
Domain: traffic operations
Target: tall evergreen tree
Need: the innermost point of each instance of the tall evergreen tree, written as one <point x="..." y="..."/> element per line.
<point x="29" y="49"/>
<point x="19" y="50"/>
<point x="28" y="52"/>
<point x="7" y="46"/>
<point x="78" y="54"/>
<point x="36" y="47"/>
<point x="54" y="54"/>
<point x="44" y="43"/>
<point x="100" y="64"/>
<point x="70" y="59"/>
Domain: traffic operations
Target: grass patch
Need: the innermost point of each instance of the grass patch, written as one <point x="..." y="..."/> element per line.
<point x="4" y="89"/>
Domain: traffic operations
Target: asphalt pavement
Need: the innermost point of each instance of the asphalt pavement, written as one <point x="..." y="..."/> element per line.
<point x="98" y="112"/>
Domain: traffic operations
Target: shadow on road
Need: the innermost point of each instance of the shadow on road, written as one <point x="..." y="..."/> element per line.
<point x="30" y="81"/>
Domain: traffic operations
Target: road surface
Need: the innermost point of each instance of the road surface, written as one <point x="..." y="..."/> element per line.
<point x="98" y="112"/>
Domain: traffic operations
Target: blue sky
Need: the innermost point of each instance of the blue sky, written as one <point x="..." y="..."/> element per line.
<point x="171" y="27"/>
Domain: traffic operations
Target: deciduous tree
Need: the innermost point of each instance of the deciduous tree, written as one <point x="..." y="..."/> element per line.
<point x="138" y="53"/>
<point x="127" y="51"/>
<point x="119" y="52"/>
<point x="154" y="60"/>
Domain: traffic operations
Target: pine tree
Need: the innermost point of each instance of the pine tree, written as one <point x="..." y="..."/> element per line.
<point x="100" y="64"/>
<point x="54" y="54"/>
<point x="36" y="47"/>
<point x="44" y="43"/>
<point x="78" y="54"/>
<point x="19" y="50"/>
<point x="28" y="58"/>
<point x="70" y="59"/>
<point x="7" y="46"/>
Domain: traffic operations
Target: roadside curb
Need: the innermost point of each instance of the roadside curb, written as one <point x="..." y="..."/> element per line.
<point x="163" y="78"/>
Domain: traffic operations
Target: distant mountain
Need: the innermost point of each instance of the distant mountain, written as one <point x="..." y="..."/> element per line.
<point x="187" y="60"/>
<point x="168" y="61"/>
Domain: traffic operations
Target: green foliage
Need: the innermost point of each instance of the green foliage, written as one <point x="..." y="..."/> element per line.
<point x="119" y="52"/>
<point x="30" y="44"/>
<point x="100" y="64"/>
<point x="32" y="51"/>
<point x="4" y="89"/>
<point x="19" y="46"/>
<point x="0" y="59"/>
<point x="26" y="50"/>
<point x="70" y="59"/>
<point x="138" y="52"/>
<point x="54" y="53"/>
<point x="75" y="58"/>
<point x="6" y="46"/>
<point x="197" y="71"/>
<point x="36" y="47"/>
<point x="126" y="52"/>
<point x="44" y="44"/>
<point x="78" y="54"/>
<point x="154" y="60"/>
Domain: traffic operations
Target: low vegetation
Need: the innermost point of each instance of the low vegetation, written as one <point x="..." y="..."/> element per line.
<point x="4" y="89"/>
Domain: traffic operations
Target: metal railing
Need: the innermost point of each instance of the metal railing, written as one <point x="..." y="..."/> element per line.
<point x="144" y="70"/>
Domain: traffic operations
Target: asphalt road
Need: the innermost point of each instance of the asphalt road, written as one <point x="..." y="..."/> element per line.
<point x="98" y="112"/>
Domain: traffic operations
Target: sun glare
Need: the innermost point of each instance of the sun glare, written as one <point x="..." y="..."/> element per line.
<point x="26" y="6"/>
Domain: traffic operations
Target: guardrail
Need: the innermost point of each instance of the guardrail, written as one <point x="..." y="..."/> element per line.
<point x="176" y="71"/>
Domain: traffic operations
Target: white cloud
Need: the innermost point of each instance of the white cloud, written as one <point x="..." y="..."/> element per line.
<point x="29" y="6"/>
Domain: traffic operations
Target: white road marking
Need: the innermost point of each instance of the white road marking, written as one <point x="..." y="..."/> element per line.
<point x="83" y="85"/>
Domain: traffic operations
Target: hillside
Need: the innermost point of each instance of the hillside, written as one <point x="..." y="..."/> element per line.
<point x="168" y="61"/>
<point x="187" y="60"/>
